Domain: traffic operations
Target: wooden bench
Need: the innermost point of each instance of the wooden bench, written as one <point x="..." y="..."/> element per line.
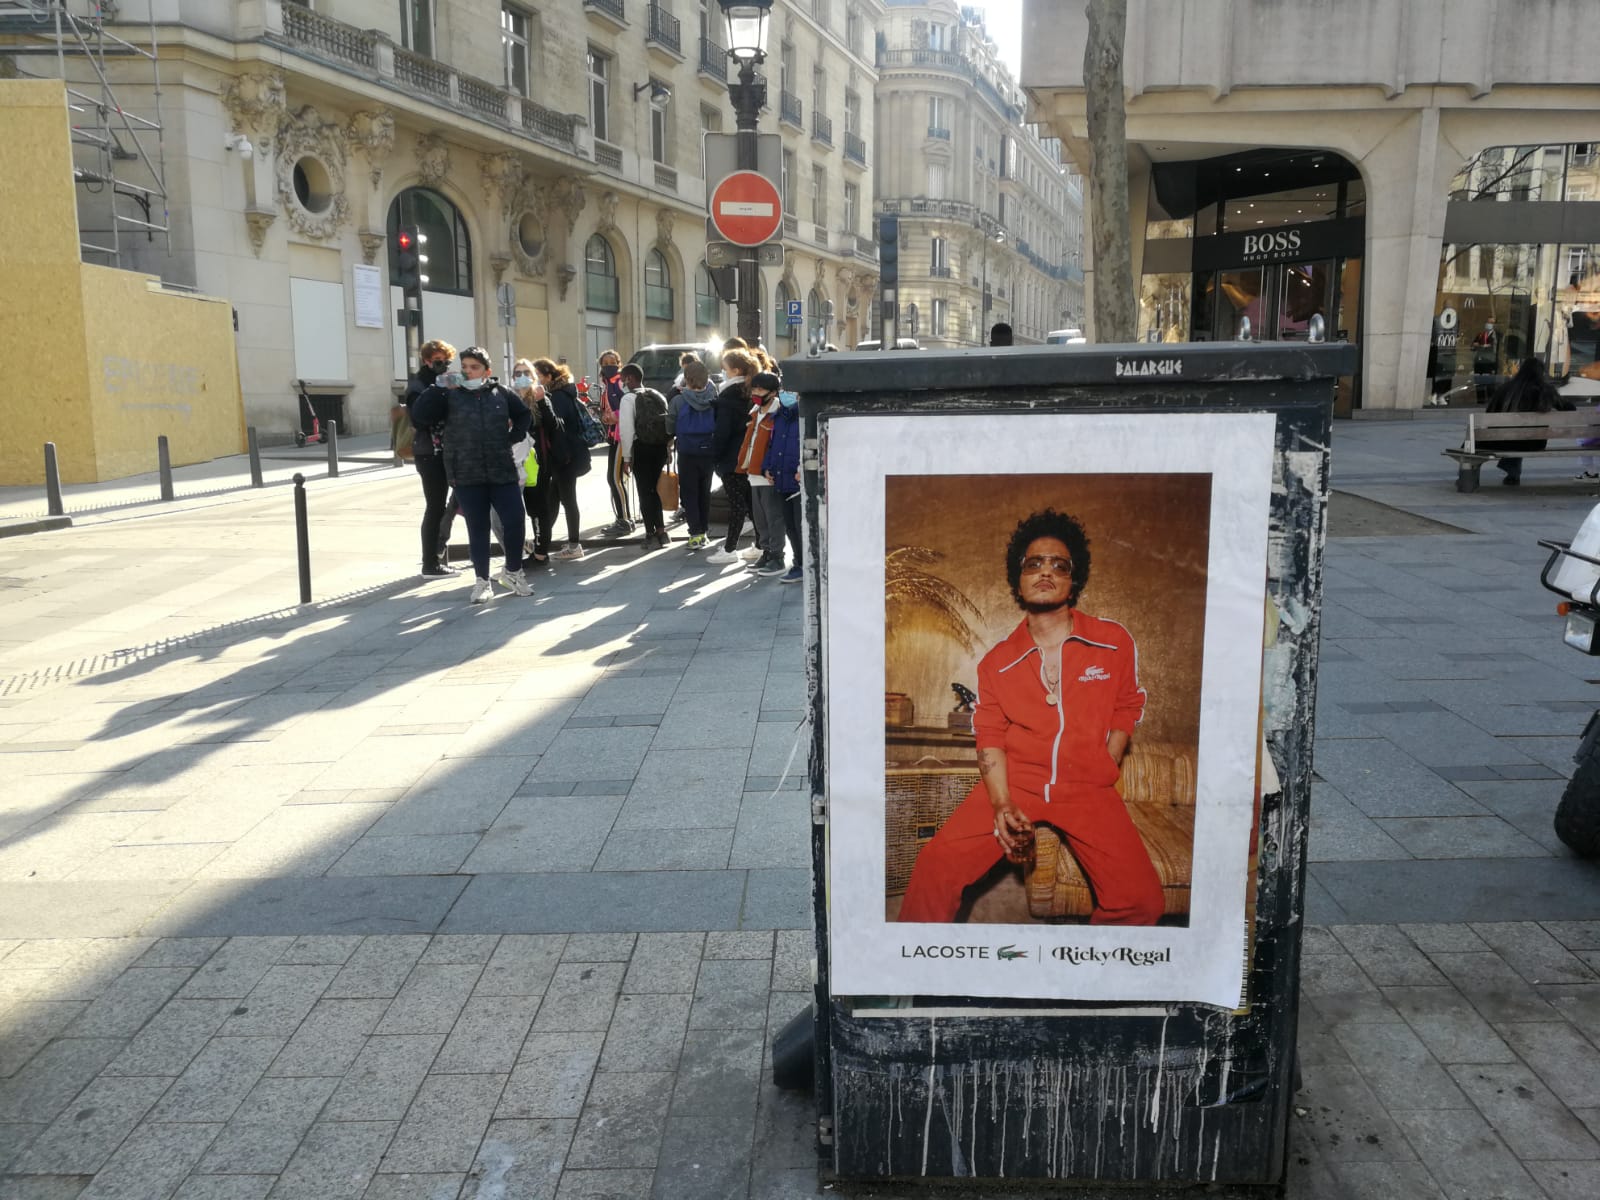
<point x="1568" y="427"/>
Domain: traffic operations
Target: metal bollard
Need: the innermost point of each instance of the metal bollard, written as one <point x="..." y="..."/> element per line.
<point x="332" y="435"/>
<point x="302" y="537"/>
<point x="164" y="465"/>
<point x="52" y="483"/>
<point x="255" y="457"/>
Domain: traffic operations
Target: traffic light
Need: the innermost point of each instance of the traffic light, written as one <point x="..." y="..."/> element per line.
<point x="888" y="250"/>
<point x="408" y="262"/>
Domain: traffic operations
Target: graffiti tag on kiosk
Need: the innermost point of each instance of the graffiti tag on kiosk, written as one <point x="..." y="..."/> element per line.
<point x="132" y="375"/>
<point x="1149" y="366"/>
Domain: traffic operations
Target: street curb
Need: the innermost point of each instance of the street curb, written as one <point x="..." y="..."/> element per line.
<point x="37" y="525"/>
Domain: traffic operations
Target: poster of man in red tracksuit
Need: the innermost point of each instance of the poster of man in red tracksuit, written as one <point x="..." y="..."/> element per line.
<point x="1058" y="702"/>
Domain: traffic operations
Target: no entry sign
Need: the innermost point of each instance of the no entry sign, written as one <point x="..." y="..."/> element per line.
<point x="746" y="208"/>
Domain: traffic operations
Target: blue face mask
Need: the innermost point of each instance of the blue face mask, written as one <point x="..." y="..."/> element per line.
<point x="522" y="382"/>
<point x="788" y="399"/>
<point x="473" y="385"/>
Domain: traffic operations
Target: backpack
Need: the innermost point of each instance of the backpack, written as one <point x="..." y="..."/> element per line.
<point x="697" y="428"/>
<point x="649" y="417"/>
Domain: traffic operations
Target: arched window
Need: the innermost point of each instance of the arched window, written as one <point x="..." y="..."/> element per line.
<point x="815" y="322"/>
<point x="657" y="286"/>
<point x="706" y="311"/>
<point x="600" y="276"/>
<point x="446" y="252"/>
<point x="781" y="329"/>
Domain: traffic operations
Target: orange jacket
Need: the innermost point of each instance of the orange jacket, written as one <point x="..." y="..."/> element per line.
<point x="756" y="436"/>
<point x="1053" y="750"/>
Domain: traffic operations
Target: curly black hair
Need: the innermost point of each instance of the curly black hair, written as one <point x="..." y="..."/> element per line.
<point x="1048" y="523"/>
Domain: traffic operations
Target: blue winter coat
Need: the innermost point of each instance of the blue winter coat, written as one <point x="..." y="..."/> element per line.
<point x="783" y="451"/>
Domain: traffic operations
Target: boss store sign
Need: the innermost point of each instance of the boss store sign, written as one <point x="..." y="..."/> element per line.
<point x="1289" y="243"/>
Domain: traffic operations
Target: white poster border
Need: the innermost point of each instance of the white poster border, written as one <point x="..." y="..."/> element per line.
<point x="1201" y="963"/>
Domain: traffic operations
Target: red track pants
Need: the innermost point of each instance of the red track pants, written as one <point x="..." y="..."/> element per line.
<point x="1095" y="824"/>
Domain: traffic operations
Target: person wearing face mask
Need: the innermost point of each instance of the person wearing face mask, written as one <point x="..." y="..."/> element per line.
<point x="435" y="358"/>
<point x="562" y="396"/>
<point x="781" y="467"/>
<point x="536" y="495"/>
<point x="610" y="417"/>
<point x="766" y="504"/>
<point x="733" y="419"/>
<point x="482" y="421"/>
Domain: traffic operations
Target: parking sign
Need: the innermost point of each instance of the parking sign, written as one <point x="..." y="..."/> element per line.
<point x="795" y="316"/>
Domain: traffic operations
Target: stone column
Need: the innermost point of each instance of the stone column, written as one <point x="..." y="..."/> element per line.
<point x="370" y="135"/>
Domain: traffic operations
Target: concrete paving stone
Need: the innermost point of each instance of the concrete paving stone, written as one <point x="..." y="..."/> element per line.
<point x="704" y="1158"/>
<point x="1461" y="837"/>
<point x="319" y="951"/>
<point x="599" y="947"/>
<point x="207" y="818"/>
<point x="279" y="1002"/>
<point x="777" y="898"/>
<point x="487" y="1036"/>
<point x="335" y="1161"/>
<point x="595" y="903"/>
<point x="430" y="854"/>
<point x="552" y="1075"/>
<point x="576" y="755"/>
<point x="521" y="965"/>
<point x="152" y="1162"/>
<point x="545" y="834"/>
<point x="605" y="1185"/>
<point x="52" y="1077"/>
<point x="149" y="862"/>
<point x="1448" y="1025"/>
<point x="787" y="1184"/>
<point x="1314" y="1042"/>
<point x="445" y="949"/>
<point x="1320" y="906"/>
<point x="616" y="697"/>
<point x="372" y="761"/>
<point x="178" y="952"/>
<point x="1444" y="938"/>
<point x="43" y="909"/>
<point x="1484" y="889"/>
<point x="1340" y="991"/>
<point x="1398" y="1065"/>
<point x="622" y="1121"/>
<point x="225" y="1187"/>
<point x="83" y="1137"/>
<point x="236" y="968"/>
<point x="687" y="789"/>
<point x="378" y="967"/>
<point x="294" y="840"/>
<point x="170" y="1040"/>
<point x="520" y="1159"/>
<point x="49" y="1187"/>
<point x="739" y="944"/>
<point x="1493" y="988"/>
<point x="1526" y="1115"/>
<point x="1316" y="939"/>
<point x="28" y="1026"/>
<point x="540" y="787"/>
<point x="384" y="1077"/>
<point x="1534" y="954"/>
<point x="791" y="960"/>
<point x="1568" y="1063"/>
<point x="1384" y="1181"/>
<point x="1344" y="1121"/>
<point x="602" y="787"/>
<point x="266" y="1130"/>
<point x="1578" y="1003"/>
<point x="719" y="1075"/>
<point x="1464" y="1155"/>
<point x="445" y="1125"/>
<point x="780" y="748"/>
<point x="1341" y="832"/>
<point x="331" y="1037"/>
<point x="664" y="962"/>
<point x="1574" y="935"/>
<point x="1566" y="1180"/>
<point x="430" y="1000"/>
<point x="773" y="830"/>
<point x="218" y="1079"/>
<point x="414" y="1187"/>
<point x="458" y="795"/>
<point x="646" y="1032"/>
<point x="1383" y="781"/>
<point x="54" y="849"/>
<point x="696" y="721"/>
<point x="580" y="998"/>
<point x="785" y="1132"/>
<point x="731" y="994"/>
<point x="665" y="850"/>
<point x="1387" y="956"/>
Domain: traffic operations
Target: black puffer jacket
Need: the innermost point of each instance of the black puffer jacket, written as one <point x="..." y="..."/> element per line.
<point x="480" y="427"/>
<point x="422" y="441"/>
<point x="564" y="403"/>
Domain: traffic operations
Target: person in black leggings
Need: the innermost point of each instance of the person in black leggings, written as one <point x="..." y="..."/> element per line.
<point x="733" y="418"/>
<point x="435" y="358"/>
<point x="559" y="390"/>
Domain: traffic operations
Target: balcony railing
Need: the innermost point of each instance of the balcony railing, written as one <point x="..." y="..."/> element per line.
<point x="855" y="148"/>
<point x="657" y="302"/>
<point x="372" y="56"/>
<point x="821" y="129"/>
<point x="666" y="177"/>
<point x="611" y="8"/>
<point x="789" y="109"/>
<point x="662" y="28"/>
<point x="713" y="60"/>
<point x="922" y="58"/>
<point x="608" y="156"/>
<point x="938" y="132"/>
<point x="940" y="271"/>
<point x="791" y="225"/>
<point x="866" y="248"/>
<point x="819" y="233"/>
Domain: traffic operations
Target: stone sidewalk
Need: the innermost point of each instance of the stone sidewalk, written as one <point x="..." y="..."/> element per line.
<point x="398" y="898"/>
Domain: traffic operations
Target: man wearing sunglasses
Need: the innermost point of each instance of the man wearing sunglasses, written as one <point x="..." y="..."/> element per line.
<point x="1058" y="701"/>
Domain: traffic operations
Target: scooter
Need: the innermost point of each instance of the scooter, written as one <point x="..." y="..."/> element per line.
<point x="309" y="432"/>
<point x="1573" y="573"/>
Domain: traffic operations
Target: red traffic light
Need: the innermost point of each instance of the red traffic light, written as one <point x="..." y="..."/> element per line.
<point x="405" y="239"/>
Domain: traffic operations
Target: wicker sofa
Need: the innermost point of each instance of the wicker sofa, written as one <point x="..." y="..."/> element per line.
<point x="1157" y="784"/>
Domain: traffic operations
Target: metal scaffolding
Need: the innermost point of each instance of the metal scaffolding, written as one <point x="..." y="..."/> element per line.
<point x="115" y="143"/>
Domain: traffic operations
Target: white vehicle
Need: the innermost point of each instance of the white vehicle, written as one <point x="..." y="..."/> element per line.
<point x="904" y="343"/>
<point x="1064" y="337"/>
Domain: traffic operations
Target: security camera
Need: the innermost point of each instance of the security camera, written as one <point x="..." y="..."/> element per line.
<point x="238" y="141"/>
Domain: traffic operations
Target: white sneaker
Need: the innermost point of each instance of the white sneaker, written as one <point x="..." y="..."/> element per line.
<point x="482" y="592"/>
<point x="723" y="556"/>
<point x="752" y="554"/>
<point x="569" y="553"/>
<point x="515" y="581"/>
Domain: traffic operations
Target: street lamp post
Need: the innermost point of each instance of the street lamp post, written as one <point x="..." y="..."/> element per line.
<point x="747" y="46"/>
<point x="991" y="233"/>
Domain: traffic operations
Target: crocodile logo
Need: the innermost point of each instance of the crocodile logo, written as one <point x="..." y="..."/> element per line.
<point x="1006" y="953"/>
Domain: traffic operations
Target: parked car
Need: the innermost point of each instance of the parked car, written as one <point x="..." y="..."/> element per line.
<point x="1064" y="337"/>
<point x="659" y="361"/>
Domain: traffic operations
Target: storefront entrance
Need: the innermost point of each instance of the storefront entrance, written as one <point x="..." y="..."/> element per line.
<point x="1272" y="303"/>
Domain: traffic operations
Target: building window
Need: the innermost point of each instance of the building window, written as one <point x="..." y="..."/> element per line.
<point x="786" y="67"/>
<point x="447" y="251"/>
<point x="938" y="116"/>
<point x="416" y="26"/>
<point x="852" y="113"/>
<point x="657" y="287"/>
<point x="852" y="30"/>
<point x="788" y="181"/>
<point x="705" y="299"/>
<point x="938" y="181"/>
<point x="819" y="91"/>
<point x="938" y="258"/>
<point x="939" y="37"/>
<point x="710" y="119"/>
<point x="852" y="207"/>
<point x="599" y="94"/>
<point x="661" y="127"/>
<point x="514" y="28"/>
<point x="600" y="276"/>
<point x="939" y="307"/>
<point x="819" y="195"/>
<point x="910" y="329"/>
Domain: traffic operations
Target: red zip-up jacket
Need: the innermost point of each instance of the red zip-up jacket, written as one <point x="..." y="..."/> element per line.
<point x="1053" y="750"/>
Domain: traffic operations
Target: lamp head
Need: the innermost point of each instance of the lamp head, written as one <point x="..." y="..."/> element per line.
<point x="747" y="28"/>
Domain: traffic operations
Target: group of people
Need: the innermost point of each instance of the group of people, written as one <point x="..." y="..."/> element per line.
<point x="477" y="442"/>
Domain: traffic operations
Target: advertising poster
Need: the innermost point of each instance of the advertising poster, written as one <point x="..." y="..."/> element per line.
<point x="1043" y="671"/>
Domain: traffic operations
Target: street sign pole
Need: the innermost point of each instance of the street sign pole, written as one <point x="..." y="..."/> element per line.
<point x="749" y="96"/>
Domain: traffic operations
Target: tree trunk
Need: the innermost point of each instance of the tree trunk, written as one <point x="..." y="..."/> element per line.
<point x="1108" y="172"/>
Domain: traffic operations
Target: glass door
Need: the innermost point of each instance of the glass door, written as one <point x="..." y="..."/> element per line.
<point x="1304" y="290"/>
<point x="1239" y="297"/>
